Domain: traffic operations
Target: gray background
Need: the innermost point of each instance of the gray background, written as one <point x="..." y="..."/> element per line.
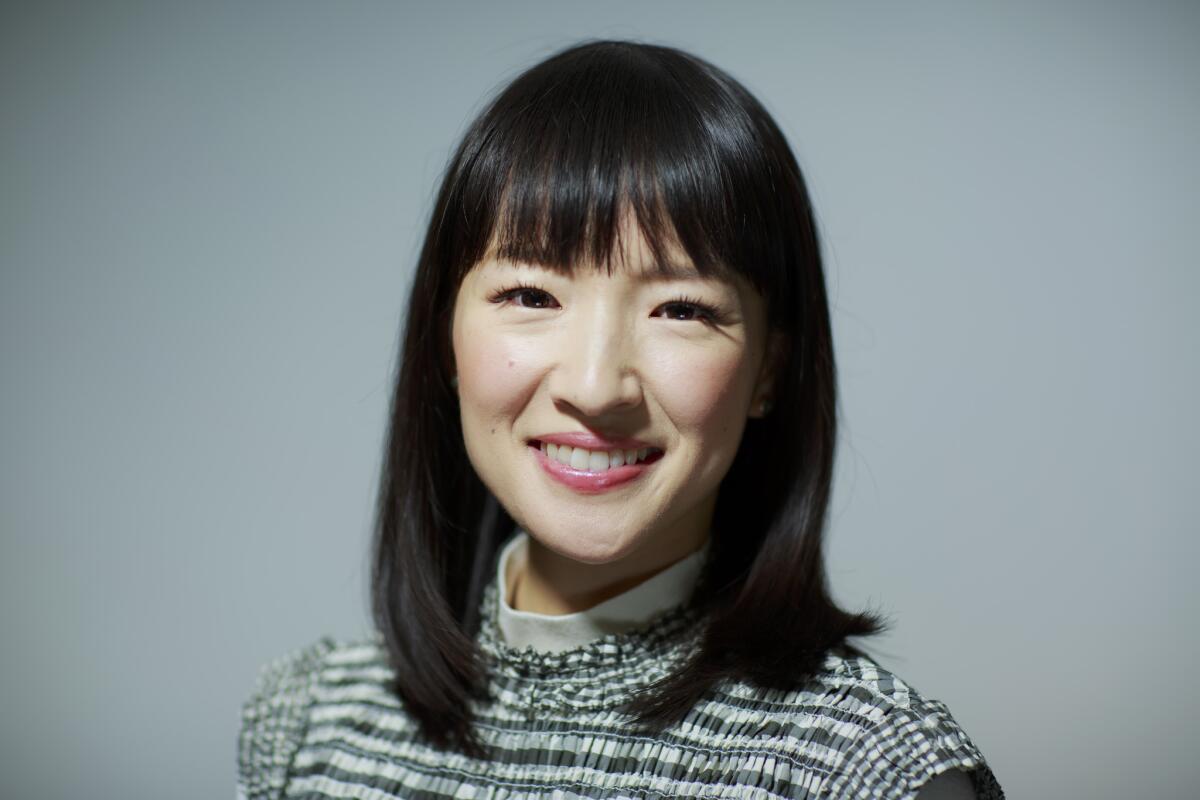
<point x="208" y="218"/>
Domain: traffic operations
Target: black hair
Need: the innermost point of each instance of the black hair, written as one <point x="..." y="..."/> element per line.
<point x="543" y="175"/>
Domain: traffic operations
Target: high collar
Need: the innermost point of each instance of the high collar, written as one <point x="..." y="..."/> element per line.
<point x="558" y="633"/>
<point x="603" y="669"/>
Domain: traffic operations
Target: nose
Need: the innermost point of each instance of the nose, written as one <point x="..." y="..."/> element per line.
<point x="596" y="372"/>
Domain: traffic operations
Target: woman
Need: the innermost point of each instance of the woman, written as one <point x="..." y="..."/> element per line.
<point x="598" y="567"/>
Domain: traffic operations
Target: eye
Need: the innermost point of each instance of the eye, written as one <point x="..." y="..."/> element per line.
<point x="691" y="309"/>
<point x="534" y="294"/>
<point x="681" y="309"/>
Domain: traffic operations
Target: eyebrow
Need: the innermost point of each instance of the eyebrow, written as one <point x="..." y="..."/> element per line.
<point x="675" y="271"/>
<point x="670" y="270"/>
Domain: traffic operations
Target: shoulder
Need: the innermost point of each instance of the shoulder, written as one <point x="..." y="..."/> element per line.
<point x="275" y="716"/>
<point x="871" y="734"/>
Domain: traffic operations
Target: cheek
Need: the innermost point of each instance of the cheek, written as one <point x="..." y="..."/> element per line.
<point x="493" y="376"/>
<point x="703" y="392"/>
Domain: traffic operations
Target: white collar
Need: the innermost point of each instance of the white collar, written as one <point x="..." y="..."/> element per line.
<point x="555" y="633"/>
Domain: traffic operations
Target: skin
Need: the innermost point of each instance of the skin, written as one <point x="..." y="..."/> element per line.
<point x="615" y="356"/>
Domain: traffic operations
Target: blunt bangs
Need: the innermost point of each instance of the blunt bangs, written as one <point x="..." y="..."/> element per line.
<point x="547" y="179"/>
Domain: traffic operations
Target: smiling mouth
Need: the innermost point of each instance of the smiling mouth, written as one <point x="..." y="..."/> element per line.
<point x="596" y="461"/>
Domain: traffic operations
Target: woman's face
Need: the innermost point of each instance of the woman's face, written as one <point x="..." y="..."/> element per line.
<point x="539" y="354"/>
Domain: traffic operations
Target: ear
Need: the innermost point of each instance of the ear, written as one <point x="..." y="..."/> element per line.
<point x="773" y="361"/>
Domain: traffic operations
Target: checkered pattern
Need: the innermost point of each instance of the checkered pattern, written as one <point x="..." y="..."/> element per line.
<point x="322" y="724"/>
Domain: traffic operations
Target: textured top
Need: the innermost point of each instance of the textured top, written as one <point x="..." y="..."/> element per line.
<point x="636" y="606"/>
<point x="558" y="632"/>
<point x="322" y="724"/>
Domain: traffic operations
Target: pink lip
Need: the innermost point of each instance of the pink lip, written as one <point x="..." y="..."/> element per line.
<point x="592" y="482"/>
<point x="589" y="441"/>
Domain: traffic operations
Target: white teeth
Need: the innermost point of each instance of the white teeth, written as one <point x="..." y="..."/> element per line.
<point x="593" y="460"/>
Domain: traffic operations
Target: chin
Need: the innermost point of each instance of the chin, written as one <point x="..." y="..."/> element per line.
<point x="601" y="546"/>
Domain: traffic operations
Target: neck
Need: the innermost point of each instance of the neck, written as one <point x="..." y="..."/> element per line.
<point x="546" y="582"/>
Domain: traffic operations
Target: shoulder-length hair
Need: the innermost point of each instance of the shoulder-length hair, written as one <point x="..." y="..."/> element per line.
<point x="544" y="175"/>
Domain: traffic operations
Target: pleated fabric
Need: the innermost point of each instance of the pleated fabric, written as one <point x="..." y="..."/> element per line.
<point x="320" y="723"/>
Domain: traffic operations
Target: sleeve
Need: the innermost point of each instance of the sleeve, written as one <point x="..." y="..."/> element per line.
<point x="906" y="750"/>
<point x="953" y="784"/>
<point x="274" y="719"/>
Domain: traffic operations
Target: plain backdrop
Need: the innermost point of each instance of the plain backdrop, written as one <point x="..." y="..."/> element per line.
<point x="209" y="214"/>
